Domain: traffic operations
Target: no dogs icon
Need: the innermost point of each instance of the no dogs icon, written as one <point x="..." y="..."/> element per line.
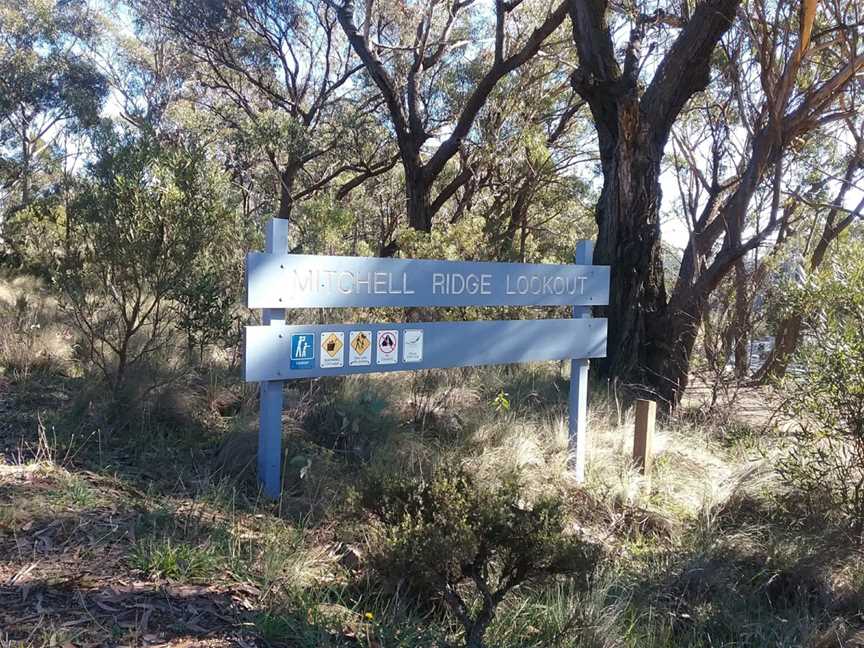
<point x="388" y="347"/>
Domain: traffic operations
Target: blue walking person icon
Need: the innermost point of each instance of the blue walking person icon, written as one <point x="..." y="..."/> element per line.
<point x="303" y="351"/>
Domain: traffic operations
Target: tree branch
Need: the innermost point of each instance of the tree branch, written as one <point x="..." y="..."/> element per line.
<point x="484" y="87"/>
<point x="685" y="68"/>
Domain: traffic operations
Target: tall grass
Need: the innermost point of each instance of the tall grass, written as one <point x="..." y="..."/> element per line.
<point x="33" y="337"/>
<point x="709" y="553"/>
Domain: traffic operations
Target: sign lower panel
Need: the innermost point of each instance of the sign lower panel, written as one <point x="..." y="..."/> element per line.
<point x="308" y="281"/>
<point x="305" y="351"/>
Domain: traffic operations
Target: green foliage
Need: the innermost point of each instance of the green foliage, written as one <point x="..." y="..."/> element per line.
<point x="51" y="93"/>
<point x="204" y="304"/>
<point x="42" y="73"/>
<point x="143" y="220"/>
<point x="501" y="402"/>
<point x="326" y="227"/>
<point x="469" y="544"/>
<point x="825" y="459"/>
<point x="167" y="558"/>
<point x="351" y="421"/>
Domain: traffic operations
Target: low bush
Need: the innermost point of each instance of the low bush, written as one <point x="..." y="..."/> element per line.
<point x="349" y="420"/>
<point x="140" y="228"/>
<point x="448" y="537"/>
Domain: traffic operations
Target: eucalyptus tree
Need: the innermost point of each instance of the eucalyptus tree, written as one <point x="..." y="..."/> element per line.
<point x="536" y="145"/>
<point x="282" y="74"/>
<point x="48" y="91"/>
<point x="436" y="64"/>
<point x="149" y="71"/>
<point x="789" y="65"/>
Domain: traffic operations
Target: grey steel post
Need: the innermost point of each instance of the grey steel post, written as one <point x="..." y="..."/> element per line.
<point x="578" y="415"/>
<point x="271" y="395"/>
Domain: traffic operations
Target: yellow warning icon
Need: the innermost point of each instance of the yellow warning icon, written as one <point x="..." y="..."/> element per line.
<point x="360" y="343"/>
<point x="332" y="345"/>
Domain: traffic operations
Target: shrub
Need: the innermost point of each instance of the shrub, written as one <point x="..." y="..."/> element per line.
<point x="350" y="421"/>
<point x="825" y="458"/>
<point x="146" y="213"/>
<point x="204" y="307"/>
<point x="469" y="544"/>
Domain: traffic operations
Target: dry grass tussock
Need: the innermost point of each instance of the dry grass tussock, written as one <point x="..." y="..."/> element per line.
<point x="33" y="335"/>
<point x="691" y="471"/>
<point x="538" y="450"/>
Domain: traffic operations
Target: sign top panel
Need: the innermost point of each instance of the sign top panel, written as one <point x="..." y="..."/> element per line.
<point x="307" y="281"/>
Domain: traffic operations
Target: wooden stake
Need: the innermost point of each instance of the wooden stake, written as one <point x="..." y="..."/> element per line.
<point x="646" y="413"/>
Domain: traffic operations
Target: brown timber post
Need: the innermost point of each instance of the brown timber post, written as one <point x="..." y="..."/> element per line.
<point x="646" y="413"/>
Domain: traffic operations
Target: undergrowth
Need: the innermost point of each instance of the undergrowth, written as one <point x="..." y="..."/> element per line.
<point x="710" y="552"/>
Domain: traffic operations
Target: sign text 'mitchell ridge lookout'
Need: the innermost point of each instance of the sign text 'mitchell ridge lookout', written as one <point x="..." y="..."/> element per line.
<point x="442" y="283"/>
<point x="305" y="281"/>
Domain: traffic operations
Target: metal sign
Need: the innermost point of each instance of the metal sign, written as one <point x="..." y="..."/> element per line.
<point x="304" y="281"/>
<point x="271" y="350"/>
<point x="276" y="352"/>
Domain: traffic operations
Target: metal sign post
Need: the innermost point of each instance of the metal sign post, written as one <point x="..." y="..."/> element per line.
<point x="578" y="405"/>
<point x="275" y="352"/>
<point x="270" y="424"/>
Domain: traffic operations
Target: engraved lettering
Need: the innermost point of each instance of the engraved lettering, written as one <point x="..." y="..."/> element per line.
<point x="303" y="286"/>
<point x="344" y="288"/>
<point x="360" y="281"/>
<point x="559" y="288"/>
<point x="390" y="289"/>
<point x="507" y="289"/>
<point x="472" y="284"/>
<point x="453" y="282"/>
<point x="438" y="280"/>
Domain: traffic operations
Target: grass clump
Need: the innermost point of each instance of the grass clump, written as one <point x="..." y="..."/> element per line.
<point x="77" y="492"/>
<point x="33" y="341"/>
<point x="167" y="558"/>
<point x="349" y="420"/>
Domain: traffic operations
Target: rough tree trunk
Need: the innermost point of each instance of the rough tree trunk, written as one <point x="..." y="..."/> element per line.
<point x="25" y="166"/>
<point x="629" y="242"/>
<point x="650" y="342"/>
<point x="785" y="344"/>
<point x="287" y="178"/>
<point x="680" y="326"/>
<point x="418" y="200"/>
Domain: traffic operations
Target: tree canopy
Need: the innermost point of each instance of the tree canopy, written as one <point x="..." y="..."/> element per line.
<point x="505" y="131"/>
